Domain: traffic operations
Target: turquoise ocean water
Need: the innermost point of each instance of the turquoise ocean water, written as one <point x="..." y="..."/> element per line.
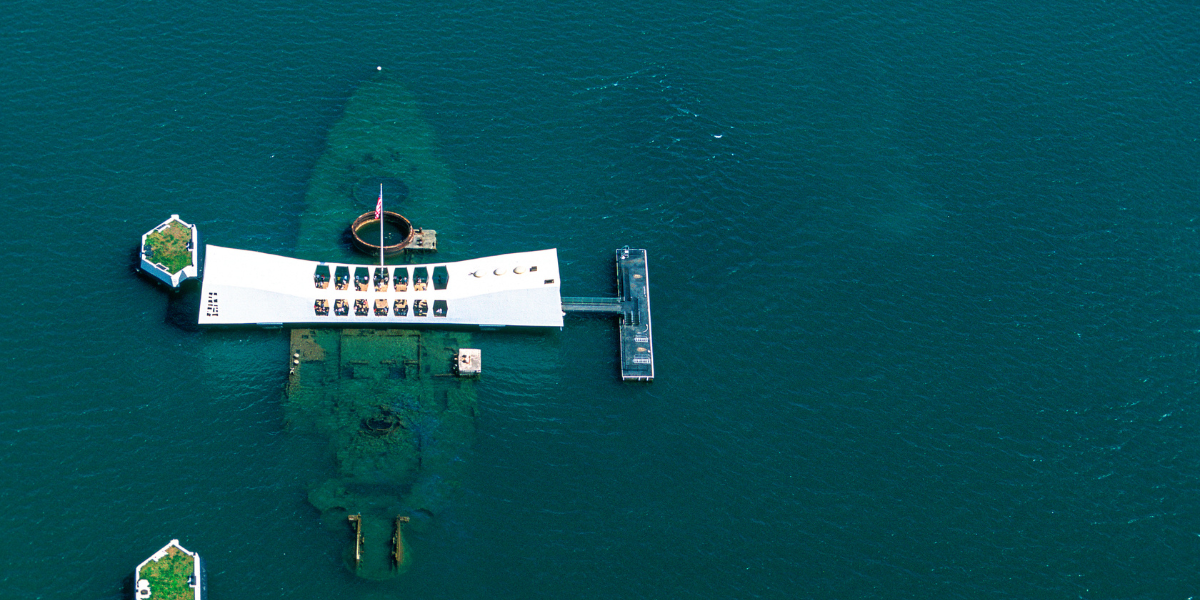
<point x="924" y="280"/>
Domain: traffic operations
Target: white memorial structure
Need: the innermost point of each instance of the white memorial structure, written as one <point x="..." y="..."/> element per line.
<point x="241" y="287"/>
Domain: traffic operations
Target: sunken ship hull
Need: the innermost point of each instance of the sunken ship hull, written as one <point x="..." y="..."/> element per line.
<point x="398" y="423"/>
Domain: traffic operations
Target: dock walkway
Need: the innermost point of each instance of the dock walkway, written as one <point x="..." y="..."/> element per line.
<point x="632" y="304"/>
<point x="592" y="305"/>
<point x="633" y="288"/>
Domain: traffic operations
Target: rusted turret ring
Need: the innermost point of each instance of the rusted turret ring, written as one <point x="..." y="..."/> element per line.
<point x="389" y="218"/>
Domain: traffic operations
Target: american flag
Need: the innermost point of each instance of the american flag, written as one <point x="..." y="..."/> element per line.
<point x="379" y="204"/>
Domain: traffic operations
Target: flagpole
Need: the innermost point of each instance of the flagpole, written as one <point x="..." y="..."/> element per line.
<point x="381" y="224"/>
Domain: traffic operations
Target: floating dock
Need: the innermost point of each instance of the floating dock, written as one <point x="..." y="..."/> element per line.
<point x="632" y="305"/>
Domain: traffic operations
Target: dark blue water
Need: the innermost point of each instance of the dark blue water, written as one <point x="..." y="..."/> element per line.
<point x="924" y="284"/>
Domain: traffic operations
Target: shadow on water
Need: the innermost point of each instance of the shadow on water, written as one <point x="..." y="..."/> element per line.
<point x="127" y="589"/>
<point x="183" y="307"/>
<point x="183" y="304"/>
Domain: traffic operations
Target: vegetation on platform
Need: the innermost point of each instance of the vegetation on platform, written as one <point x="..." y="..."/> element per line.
<point x="169" y="247"/>
<point x="168" y="576"/>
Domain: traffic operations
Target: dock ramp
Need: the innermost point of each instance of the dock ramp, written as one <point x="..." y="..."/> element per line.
<point x="592" y="305"/>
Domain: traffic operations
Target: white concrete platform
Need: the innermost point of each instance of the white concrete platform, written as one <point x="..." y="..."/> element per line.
<point x="241" y="287"/>
<point x="159" y="271"/>
<point x="195" y="580"/>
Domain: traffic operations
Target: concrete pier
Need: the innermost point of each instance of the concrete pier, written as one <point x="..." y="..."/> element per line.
<point x="172" y="570"/>
<point x="169" y="241"/>
<point x="632" y="305"/>
<point x="633" y="289"/>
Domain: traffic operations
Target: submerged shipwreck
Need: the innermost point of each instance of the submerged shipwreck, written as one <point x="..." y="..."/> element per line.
<point x="398" y="423"/>
<point x="381" y="360"/>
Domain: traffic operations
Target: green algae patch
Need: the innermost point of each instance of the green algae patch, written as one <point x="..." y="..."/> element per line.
<point x="168" y="576"/>
<point x="170" y="247"/>
<point x="399" y="426"/>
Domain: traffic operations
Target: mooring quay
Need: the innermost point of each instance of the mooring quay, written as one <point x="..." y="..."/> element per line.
<point x="632" y="305"/>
